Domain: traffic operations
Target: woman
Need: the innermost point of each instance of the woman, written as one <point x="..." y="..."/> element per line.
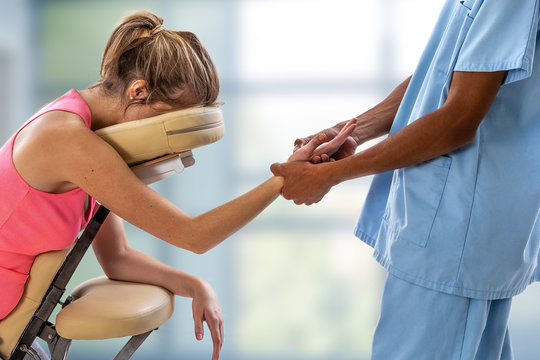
<point x="54" y="169"/>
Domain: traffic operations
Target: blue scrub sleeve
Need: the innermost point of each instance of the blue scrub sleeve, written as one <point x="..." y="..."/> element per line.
<point x="502" y="37"/>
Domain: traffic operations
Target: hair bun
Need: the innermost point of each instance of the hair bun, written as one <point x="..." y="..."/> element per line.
<point x="157" y="29"/>
<point x="142" y="19"/>
<point x="176" y="67"/>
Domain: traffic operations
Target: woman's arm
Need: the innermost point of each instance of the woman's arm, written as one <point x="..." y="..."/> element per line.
<point x="95" y="167"/>
<point x="120" y="262"/>
<point x="61" y="150"/>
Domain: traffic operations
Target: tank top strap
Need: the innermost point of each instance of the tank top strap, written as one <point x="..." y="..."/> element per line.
<point x="70" y="102"/>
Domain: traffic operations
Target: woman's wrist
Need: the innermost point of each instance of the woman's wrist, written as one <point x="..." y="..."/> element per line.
<point x="183" y="284"/>
<point x="200" y="287"/>
<point x="276" y="182"/>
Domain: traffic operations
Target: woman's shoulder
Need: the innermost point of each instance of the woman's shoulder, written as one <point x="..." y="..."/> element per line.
<point x="50" y="127"/>
<point x="47" y="145"/>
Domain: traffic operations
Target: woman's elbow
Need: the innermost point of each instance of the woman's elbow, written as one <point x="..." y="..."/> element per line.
<point x="196" y="239"/>
<point x="111" y="270"/>
<point x="200" y="251"/>
<point x="114" y="265"/>
<point x="201" y="248"/>
<point x="198" y="246"/>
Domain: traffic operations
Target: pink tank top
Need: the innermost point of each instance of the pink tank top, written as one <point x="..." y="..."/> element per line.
<point x="32" y="221"/>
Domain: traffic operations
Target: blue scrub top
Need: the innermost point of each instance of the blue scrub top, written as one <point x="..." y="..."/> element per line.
<point x="467" y="223"/>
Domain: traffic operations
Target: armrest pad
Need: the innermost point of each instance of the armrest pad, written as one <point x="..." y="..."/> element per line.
<point x="105" y="309"/>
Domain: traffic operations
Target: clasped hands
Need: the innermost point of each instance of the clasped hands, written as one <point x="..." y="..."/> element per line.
<point x="308" y="174"/>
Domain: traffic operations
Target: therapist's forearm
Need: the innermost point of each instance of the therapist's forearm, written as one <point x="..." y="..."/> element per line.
<point x="378" y="120"/>
<point x="426" y="138"/>
<point x="439" y="132"/>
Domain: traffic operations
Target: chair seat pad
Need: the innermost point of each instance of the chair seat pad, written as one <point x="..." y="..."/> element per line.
<point x="105" y="309"/>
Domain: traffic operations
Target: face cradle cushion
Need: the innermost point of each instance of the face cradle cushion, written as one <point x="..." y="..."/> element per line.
<point x="160" y="146"/>
<point x="170" y="133"/>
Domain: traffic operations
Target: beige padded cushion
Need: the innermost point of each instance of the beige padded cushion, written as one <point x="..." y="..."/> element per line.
<point x="41" y="275"/>
<point x="173" y="132"/>
<point x="107" y="308"/>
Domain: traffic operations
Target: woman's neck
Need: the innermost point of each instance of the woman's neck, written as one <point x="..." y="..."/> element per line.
<point x="105" y="109"/>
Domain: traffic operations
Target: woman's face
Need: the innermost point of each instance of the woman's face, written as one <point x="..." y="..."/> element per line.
<point x="137" y="111"/>
<point x="138" y="90"/>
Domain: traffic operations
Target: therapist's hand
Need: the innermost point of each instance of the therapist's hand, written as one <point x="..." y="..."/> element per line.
<point x="206" y="309"/>
<point x="304" y="182"/>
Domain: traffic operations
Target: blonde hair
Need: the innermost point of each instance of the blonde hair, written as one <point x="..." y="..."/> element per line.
<point x="176" y="67"/>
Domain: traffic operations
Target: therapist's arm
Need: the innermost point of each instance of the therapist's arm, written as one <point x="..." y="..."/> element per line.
<point x="442" y="131"/>
<point x="371" y="124"/>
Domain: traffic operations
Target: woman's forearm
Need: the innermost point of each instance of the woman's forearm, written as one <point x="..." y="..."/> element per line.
<point x="119" y="260"/>
<point x="150" y="271"/>
<point x="211" y="228"/>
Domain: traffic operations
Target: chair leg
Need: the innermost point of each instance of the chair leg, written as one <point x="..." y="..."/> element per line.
<point x="58" y="346"/>
<point x="131" y="346"/>
<point x="60" y="349"/>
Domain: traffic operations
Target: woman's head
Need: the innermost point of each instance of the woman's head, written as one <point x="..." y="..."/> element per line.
<point x="174" y="67"/>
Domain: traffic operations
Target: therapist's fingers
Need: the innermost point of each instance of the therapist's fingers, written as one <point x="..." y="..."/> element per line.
<point x="276" y="169"/>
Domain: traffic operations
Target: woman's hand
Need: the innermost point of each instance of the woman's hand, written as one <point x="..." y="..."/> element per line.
<point x="335" y="144"/>
<point x="206" y="308"/>
<point x="305" y="153"/>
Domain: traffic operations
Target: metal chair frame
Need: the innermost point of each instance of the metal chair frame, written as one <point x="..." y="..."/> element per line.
<point x="40" y="326"/>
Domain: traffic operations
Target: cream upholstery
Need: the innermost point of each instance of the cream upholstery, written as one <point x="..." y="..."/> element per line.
<point x="105" y="309"/>
<point x="172" y="132"/>
<point x="42" y="273"/>
<point x="163" y="167"/>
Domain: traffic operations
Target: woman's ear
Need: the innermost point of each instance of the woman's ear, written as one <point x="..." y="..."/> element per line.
<point x="138" y="90"/>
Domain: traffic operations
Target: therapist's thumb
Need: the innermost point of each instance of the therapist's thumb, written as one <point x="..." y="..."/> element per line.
<point x="275" y="168"/>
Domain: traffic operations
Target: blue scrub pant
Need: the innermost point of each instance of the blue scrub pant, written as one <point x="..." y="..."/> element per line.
<point x="418" y="323"/>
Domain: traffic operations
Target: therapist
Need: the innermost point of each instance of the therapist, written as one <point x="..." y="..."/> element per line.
<point x="454" y="212"/>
